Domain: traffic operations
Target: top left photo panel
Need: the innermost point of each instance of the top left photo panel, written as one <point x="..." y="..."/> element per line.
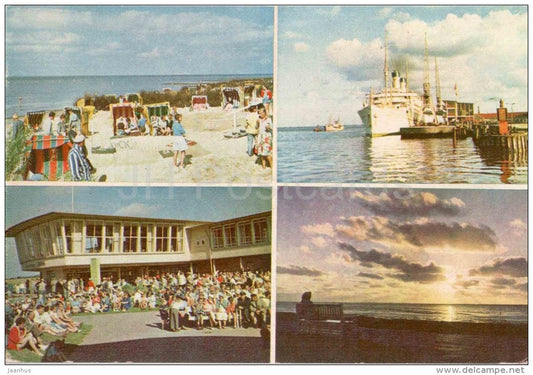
<point x="139" y="94"/>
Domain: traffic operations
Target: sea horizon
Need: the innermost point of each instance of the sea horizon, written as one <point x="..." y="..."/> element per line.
<point x="36" y="93"/>
<point x="435" y="312"/>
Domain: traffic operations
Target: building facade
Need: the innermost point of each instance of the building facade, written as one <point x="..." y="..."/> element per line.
<point x="65" y="245"/>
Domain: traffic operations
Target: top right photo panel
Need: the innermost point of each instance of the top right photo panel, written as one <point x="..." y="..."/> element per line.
<point x="402" y="94"/>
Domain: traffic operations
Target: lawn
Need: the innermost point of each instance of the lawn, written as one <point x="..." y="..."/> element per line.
<point x="72" y="340"/>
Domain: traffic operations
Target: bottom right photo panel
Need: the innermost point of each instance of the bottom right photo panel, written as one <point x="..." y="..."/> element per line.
<point x="401" y="275"/>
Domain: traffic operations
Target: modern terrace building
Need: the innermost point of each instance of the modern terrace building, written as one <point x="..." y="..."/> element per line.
<point x="64" y="245"/>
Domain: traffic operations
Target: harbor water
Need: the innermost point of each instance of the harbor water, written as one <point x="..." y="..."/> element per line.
<point x="350" y="156"/>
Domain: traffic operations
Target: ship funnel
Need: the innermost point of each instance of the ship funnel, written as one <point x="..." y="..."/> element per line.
<point x="395" y="80"/>
<point x="403" y="84"/>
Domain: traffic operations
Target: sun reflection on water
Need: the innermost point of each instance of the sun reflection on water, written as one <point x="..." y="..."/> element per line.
<point x="450" y="314"/>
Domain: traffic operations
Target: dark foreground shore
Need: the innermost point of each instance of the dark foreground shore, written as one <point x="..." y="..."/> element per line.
<point x="372" y="340"/>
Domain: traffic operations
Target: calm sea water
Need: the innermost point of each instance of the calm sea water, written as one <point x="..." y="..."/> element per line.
<point x="447" y="313"/>
<point x="349" y="156"/>
<point x="44" y="93"/>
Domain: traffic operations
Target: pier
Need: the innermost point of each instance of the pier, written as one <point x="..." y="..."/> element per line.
<point x="438" y="131"/>
<point x="501" y="139"/>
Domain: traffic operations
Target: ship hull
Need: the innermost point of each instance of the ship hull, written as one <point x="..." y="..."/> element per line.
<point x="380" y="121"/>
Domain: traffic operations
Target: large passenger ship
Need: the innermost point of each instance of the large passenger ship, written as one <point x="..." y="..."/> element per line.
<point x="392" y="108"/>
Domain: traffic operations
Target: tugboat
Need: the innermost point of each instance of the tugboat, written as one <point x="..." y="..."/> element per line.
<point x="334" y="126"/>
<point x="331" y="126"/>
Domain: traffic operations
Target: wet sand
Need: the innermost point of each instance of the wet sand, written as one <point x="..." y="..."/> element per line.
<point x="371" y="340"/>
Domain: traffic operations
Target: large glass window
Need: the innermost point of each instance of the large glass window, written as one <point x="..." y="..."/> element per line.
<point x="130" y="237"/>
<point x="144" y="238"/>
<point x="161" y="238"/>
<point x="21" y="247"/>
<point x="37" y="243"/>
<point x="108" y="238"/>
<point x="47" y="239"/>
<point x="29" y="244"/>
<point x="73" y="236"/>
<point x="117" y="233"/>
<point x="217" y="235"/>
<point x="230" y="235"/>
<point x="176" y="233"/>
<point x="245" y="233"/>
<point x="93" y="236"/>
<point x="260" y="231"/>
<point x="58" y="238"/>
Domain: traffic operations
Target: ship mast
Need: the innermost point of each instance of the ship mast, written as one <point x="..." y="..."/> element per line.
<point x="407" y="75"/>
<point x="437" y="84"/>
<point x="427" y="85"/>
<point x="386" y="69"/>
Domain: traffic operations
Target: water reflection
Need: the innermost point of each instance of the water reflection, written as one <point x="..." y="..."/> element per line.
<point x="508" y="160"/>
<point x="351" y="157"/>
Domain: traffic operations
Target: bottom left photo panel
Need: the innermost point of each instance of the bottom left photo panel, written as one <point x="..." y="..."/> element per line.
<point x="138" y="274"/>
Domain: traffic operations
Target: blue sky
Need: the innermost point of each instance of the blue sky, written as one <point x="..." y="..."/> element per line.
<point x="329" y="57"/>
<point x="131" y="40"/>
<point x="188" y="203"/>
<point x="402" y="245"/>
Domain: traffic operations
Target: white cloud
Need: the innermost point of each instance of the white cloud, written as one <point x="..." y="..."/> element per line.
<point x="325" y="229"/>
<point x="150" y="55"/>
<point x="385" y="12"/>
<point x="319" y="242"/>
<point x="137" y="210"/>
<point x="301" y="47"/>
<point x="471" y="49"/>
<point x="305" y="249"/>
<point x="291" y="35"/>
<point x="518" y="227"/>
<point x="44" y="18"/>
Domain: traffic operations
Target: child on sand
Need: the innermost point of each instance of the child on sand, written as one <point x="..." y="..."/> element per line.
<point x="180" y="144"/>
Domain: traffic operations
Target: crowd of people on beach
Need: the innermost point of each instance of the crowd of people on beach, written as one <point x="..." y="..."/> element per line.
<point x="258" y="129"/>
<point x="218" y="300"/>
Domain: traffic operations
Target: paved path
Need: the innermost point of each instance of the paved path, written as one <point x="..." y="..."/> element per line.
<point x="138" y="337"/>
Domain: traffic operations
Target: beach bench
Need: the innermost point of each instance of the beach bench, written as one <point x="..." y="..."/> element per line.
<point x="35" y="118"/>
<point x="321" y="318"/>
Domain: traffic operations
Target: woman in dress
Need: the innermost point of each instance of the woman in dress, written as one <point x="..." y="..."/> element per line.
<point x="180" y="144"/>
<point x="18" y="338"/>
<point x="264" y="138"/>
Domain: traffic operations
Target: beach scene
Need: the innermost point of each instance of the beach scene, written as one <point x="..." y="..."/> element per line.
<point x="124" y="96"/>
<point x="403" y="95"/>
<point x="401" y="276"/>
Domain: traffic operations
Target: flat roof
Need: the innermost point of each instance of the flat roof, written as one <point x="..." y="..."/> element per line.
<point x="50" y="216"/>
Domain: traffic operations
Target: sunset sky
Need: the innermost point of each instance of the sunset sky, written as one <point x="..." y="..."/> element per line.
<point x="402" y="245"/>
<point x="329" y="57"/>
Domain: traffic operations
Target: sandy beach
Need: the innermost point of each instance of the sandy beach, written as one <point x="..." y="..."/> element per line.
<point x="373" y="340"/>
<point x="213" y="159"/>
